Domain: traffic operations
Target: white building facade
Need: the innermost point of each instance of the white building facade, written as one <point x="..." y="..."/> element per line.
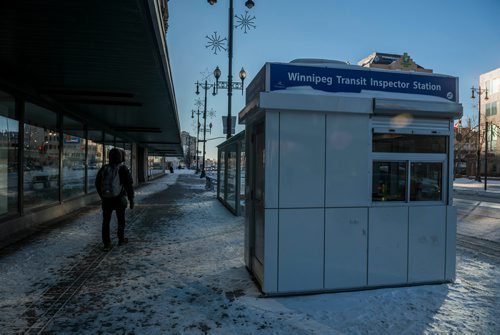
<point x="490" y="109"/>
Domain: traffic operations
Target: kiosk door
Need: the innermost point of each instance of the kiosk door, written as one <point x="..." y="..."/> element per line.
<point x="258" y="196"/>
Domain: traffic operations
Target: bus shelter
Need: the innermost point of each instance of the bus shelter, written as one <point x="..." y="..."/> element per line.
<point x="231" y="173"/>
<point x="349" y="177"/>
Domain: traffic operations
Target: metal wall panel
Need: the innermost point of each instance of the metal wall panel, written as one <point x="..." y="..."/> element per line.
<point x="302" y="160"/>
<point x="347" y="160"/>
<point x="301" y="249"/>
<point x="451" y="240"/>
<point x="346" y="237"/>
<point x="271" y="159"/>
<point x="270" y="251"/>
<point x="387" y="246"/>
<point x="427" y="242"/>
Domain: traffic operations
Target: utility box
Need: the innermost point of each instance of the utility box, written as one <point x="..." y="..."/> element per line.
<point x="349" y="177"/>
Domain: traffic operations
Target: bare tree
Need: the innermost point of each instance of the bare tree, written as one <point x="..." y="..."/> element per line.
<point x="466" y="143"/>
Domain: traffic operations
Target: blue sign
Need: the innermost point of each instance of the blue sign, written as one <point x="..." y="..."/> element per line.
<point x="71" y="139"/>
<point x="331" y="79"/>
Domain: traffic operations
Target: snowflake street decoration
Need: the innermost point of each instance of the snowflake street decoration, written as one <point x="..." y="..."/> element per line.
<point x="245" y="22"/>
<point x="211" y="114"/>
<point x="206" y="75"/>
<point x="216" y="43"/>
<point x="198" y="103"/>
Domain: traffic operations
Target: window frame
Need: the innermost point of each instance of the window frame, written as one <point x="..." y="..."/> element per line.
<point x="410" y="158"/>
<point x="411" y="135"/>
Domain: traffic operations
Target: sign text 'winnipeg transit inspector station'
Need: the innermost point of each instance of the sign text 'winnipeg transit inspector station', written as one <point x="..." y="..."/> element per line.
<point x="362" y="81"/>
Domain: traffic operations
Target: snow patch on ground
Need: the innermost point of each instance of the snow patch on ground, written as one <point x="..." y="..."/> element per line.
<point x="183" y="273"/>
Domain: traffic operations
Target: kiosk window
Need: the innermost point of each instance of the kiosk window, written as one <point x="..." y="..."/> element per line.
<point x="404" y="143"/>
<point x="425" y="181"/>
<point x="389" y="181"/>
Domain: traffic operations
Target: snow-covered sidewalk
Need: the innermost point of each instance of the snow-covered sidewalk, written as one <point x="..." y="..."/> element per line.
<point x="472" y="187"/>
<point x="183" y="273"/>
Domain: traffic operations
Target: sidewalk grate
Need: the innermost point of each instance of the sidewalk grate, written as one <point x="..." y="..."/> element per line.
<point x="42" y="312"/>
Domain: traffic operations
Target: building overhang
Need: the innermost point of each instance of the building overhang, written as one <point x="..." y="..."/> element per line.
<point x="103" y="62"/>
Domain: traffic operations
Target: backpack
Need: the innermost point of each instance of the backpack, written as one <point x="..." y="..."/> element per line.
<point x="111" y="184"/>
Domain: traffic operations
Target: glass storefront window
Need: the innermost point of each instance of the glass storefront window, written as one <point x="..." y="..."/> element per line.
<point x="109" y="143"/>
<point x="9" y="142"/>
<point x="156" y="165"/>
<point x="95" y="157"/>
<point x="389" y="181"/>
<point x="108" y="147"/>
<point x="128" y="155"/>
<point x="95" y="161"/>
<point x="426" y="181"/>
<point x="73" y="158"/>
<point x="41" y="156"/>
<point x="127" y="149"/>
<point x="150" y="166"/>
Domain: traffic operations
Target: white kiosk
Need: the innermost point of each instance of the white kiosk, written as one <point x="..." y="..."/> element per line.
<point x="349" y="177"/>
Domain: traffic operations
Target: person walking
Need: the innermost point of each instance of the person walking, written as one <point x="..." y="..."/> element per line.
<point x="114" y="185"/>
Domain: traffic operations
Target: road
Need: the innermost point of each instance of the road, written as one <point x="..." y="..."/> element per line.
<point x="478" y="224"/>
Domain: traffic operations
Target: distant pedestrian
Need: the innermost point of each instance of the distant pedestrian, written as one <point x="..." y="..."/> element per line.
<point x="171" y="168"/>
<point x="114" y="185"/>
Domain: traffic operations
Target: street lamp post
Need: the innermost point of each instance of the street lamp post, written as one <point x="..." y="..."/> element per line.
<point x="206" y="86"/>
<point x="197" y="135"/>
<point x="486" y="156"/>
<point x="229" y="85"/>
<point x="249" y="4"/>
<point x="479" y="92"/>
<point x="188" y="160"/>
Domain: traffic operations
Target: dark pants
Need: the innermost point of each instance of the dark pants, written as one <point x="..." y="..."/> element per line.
<point x="107" y="211"/>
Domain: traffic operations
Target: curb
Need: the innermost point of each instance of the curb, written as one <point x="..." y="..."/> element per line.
<point x="481" y="193"/>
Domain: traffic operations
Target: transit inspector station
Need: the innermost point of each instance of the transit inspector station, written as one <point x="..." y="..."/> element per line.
<point x="376" y="207"/>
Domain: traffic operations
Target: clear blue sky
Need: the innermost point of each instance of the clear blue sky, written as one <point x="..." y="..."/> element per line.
<point x="454" y="37"/>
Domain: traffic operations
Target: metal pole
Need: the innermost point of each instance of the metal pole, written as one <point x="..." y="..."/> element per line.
<point x="188" y="160"/>
<point x="197" y="140"/>
<point x="478" y="176"/>
<point x="486" y="157"/>
<point x="204" y="130"/>
<point x="230" y="68"/>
